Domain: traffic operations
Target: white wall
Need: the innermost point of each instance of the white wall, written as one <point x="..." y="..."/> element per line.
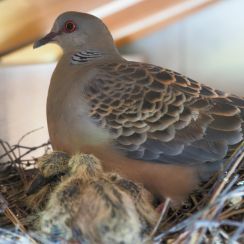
<point x="23" y="91"/>
<point x="207" y="46"/>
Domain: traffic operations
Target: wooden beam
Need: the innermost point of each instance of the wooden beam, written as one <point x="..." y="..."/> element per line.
<point x="26" y="21"/>
<point x="148" y="16"/>
<point x="128" y="20"/>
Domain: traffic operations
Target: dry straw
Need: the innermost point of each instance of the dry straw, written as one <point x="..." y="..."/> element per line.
<point x="212" y="214"/>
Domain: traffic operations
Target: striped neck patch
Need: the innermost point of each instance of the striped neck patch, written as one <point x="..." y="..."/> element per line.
<point x="85" y="56"/>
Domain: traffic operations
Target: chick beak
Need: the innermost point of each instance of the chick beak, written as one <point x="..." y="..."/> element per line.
<point x="46" y="39"/>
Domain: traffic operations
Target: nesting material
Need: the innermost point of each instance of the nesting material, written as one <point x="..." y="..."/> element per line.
<point x="212" y="214"/>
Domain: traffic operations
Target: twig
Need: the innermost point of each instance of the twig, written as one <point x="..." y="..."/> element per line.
<point x="236" y="212"/>
<point x="26" y="134"/>
<point x="9" y="214"/>
<point x="209" y="214"/>
<point x="12" y="217"/>
<point x="7" y="153"/>
<point x="227" y="178"/>
<point x="166" y="205"/>
<point x="33" y="149"/>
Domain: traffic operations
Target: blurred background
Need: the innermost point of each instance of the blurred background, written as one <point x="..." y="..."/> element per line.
<point x="203" y="39"/>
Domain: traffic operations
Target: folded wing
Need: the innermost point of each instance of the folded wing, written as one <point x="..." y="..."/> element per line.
<point x="158" y="115"/>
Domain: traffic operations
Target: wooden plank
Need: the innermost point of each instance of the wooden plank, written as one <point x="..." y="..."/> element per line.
<point x="148" y="16"/>
<point x="129" y="23"/>
<point x="26" y="21"/>
<point x="137" y="12"/>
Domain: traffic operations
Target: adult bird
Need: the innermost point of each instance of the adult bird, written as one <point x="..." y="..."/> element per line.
<point x="151" y="124"/>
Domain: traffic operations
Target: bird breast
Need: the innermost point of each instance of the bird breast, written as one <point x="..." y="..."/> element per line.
<point x="69" y="126"/>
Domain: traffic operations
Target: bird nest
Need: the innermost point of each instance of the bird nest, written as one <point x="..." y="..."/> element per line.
<point x="214" y="213"/>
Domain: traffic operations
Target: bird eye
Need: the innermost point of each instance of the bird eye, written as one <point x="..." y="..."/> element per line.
<point x="69" y="26"/>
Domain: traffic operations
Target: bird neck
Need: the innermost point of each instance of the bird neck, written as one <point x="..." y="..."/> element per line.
<point x="81" y="55"/>
<point x="106" y="47"/>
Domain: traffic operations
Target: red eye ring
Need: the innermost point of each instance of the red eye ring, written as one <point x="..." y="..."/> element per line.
<point x="69" y="26"/>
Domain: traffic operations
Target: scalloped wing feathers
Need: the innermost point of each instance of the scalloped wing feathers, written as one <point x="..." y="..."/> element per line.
<point x="155" y="114"/>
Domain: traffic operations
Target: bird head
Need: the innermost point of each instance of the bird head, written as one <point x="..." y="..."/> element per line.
<point x="77" y="31"/>
<point x="85" y="165"/>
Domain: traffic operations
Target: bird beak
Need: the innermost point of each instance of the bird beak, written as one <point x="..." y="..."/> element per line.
<point x="46" y="39"/>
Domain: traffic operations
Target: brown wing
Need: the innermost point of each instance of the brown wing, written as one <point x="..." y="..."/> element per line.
<point x="155" y="114"/>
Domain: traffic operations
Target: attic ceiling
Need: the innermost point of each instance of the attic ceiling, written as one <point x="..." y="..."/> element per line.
<point x="23" y="21"/>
